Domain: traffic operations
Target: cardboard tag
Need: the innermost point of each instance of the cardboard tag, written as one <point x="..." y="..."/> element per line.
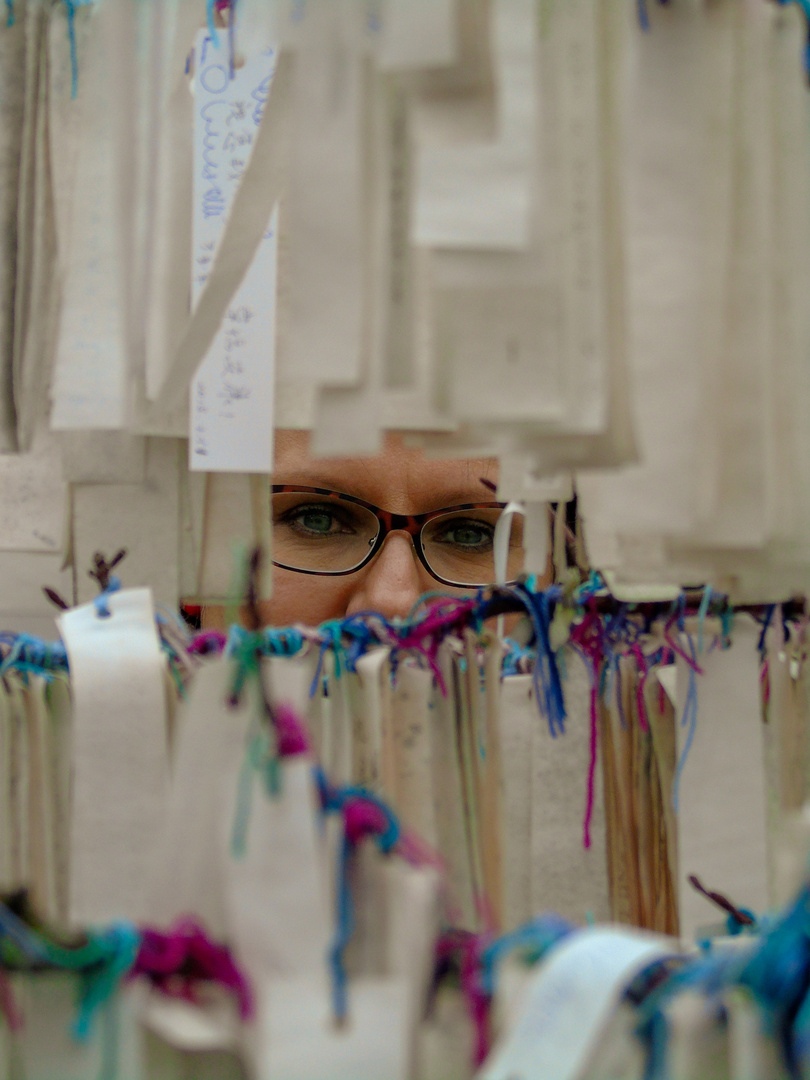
<point x="277" y="910"/>
<point x="232" y="393"/>
<point x="722" y="836"/>
<point x="567" y="877"/>
<point x="412" y="742"/>
<point x="45" y="1048"/>
<point x="754" y="1051"/>
<point x="518" y="718"/>
<point x="120" y="757"/>
<point x="569" y="1002"/>
<point x="697" y="1043"/>
<point x="299" y="1039"/>
<point x="188" y="864"/>
<point x="90" y="383"/>
<point x="478" y="194"/>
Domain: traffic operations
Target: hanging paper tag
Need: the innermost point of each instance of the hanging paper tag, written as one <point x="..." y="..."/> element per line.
<point x="518" y="718"/>
<point x="697" y="1039"/>
<point x="299" y="1039"/>
<point x="45" y="1048"/>
<point x="569" y="1002"/>
<point x="232" y="392"/>
<point x="412" y="730"/>
<point x="120" y="757"/>
<point x="188" y="865"/>
<point x="721" y="805"/>
<point x="276" y="897"/>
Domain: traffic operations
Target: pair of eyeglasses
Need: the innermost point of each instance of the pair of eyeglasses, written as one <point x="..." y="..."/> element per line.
<point x="317" y="531"/>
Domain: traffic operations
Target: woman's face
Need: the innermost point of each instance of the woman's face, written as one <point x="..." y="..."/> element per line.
<point x="400" y="480"/>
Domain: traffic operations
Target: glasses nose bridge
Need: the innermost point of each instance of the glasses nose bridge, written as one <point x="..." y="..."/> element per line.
<point x="399" y="523"/>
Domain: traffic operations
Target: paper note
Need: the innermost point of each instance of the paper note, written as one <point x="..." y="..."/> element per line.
<point x="232" y="393"/>
<point x="301" y="1042"/>
<point x="721" y="795"/>
<point x="45" y="1048"/>
<point x="120" y="757"/>
<point x="569" y="1002"/>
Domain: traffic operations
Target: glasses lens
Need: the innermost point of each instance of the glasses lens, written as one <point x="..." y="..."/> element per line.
<point x="459" y="546"/>
<point x="324" y="534"/>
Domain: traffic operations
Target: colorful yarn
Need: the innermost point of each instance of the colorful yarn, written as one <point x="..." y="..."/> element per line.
<point x="175" y="961"/>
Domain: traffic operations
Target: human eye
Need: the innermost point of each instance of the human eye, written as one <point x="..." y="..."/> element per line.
<point x="318" y="521"/>
<point x="466" y="534"/>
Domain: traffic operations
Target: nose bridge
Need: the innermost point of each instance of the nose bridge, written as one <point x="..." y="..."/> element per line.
<point x="392" y="583"/>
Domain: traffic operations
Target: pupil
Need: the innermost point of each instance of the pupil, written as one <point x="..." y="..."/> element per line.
<point x="317" y="521"/>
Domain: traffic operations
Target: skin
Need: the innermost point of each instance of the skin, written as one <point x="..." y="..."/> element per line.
<point x="400" y="479"/>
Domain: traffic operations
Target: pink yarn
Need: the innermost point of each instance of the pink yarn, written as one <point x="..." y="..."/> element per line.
<point x="478" y="1001"/>
<point x="363" y="818"/>
<point x="290" y="732"/>
<point x="427" y="636"/>
<point x="207" y="641"/>
<point x="176" y="960"/>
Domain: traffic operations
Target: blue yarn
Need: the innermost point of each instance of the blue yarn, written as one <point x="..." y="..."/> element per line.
<point x="546" y="675"/>
<point x="541" y="934"/>
<point x="212" y="26"/>
<point x="101" y="602"/>
<point x="99" y="982"/>
<point x="643" y="16"/>
<point x="332" y="801"/>
<point x="74" y="58"/>
<point x="705" y="600"/>
<point x="766" y="623"/>
<point x="13" y="927"/>
<point x="10" y="15"/>
<point x="689" y="718"/>
<point x="343" y="933"/>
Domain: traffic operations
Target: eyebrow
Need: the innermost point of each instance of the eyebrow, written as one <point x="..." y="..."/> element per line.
<point x="322" y="478"/>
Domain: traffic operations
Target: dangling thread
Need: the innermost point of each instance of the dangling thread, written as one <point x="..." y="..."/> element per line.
<point x="210" y="8"/>
<point x="587" y="638"/>
<point x="10" y="11"/>
<point x="688" y="720"/>
<point x="74" y="56"/>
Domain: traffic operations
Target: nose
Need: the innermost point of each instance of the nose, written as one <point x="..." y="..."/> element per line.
<point x="393" y="581"/>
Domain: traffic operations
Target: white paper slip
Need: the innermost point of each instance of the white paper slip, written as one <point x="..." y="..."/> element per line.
<point x="722" y="818"/>
<point x="45" y="1049"/>
<point x="231" y="399"/>
<point x="120" y="756"/>
<point x="301" y="1042"/>
<point x="569" y="1002"/>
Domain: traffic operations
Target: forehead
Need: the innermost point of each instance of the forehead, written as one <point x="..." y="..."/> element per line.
<point x="400" y="478"/>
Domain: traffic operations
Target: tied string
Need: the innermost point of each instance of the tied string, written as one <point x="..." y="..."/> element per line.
<point x="272" y="738"/>
<point x="71" y="6"/>
<point x="477" y="959"/>
<point x="331" y="633"/>
<point x="30" y="654"/>
<point x="546" y="674"/>
<point x="774" y="969"/>
<point x="100" y="962"/>
<point x="588" y="639"/>
<point x="426" y="637"/>
<point x="207" y="643"/>
<point x="688" y="720"/>
<point x="102" y="601"/>
<point x="364" y="816"/>
<point x="178" y="960"/>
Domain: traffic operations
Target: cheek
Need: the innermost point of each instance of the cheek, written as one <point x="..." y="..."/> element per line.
<point x="307" y="599"/>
